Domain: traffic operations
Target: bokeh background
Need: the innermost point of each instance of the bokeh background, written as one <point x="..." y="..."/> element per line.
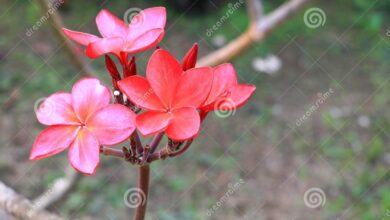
<point x="259" y="162"/>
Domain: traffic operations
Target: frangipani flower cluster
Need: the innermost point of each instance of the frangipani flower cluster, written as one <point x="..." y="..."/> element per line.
<point x="174" y="97"/>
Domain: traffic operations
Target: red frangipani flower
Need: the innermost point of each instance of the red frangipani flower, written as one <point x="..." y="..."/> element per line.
<point x="170" y="96"/>
<point x="226" y="93"/>
<point x="145" y="31"/>
<point x="82" y="120"/>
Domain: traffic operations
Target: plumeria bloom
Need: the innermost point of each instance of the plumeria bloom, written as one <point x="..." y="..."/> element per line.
<point x="226" y="93"/>
<point x="170" y="96"/>
<point x="145" y="31"/>
<point x="81" y="121"/>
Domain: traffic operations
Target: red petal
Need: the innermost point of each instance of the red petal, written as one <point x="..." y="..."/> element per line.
<point x="80" y="37"/>
<point x="146" y="41"/>
<point x="184" y="125"/>
<point x="112" y="124"/>
<point x="240" y="94"/>
<point x="109" y="25"/>
<point x="224" y="78"/>
<point x="84" y="152"/>
<point x="103" y="46"/>
<point x="193" y="88"/>
<point x="163" y="73"/>
<point x="88" y="96"/>
<point x="189" y="60"/>
<point x="53" y="140"/>
<point x="146" y="20"/>
<point x="138" y="90"/>
<point x="57" y="109"/>
<point x="152" y="122"/>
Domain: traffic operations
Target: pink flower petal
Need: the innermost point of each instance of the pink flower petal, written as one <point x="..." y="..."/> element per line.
<point x="224" y="78"/>
<point x="53" y="140"/>
<point x="84" y="152"/>
<point x="184" y="125"/>
<point x="112" y="124"/>
<point x="163" y="73"/>
<point x="146" y="20"/>
<point x="57" y="109"/>
<point x="103" y="46"/>
<point x="146" y="41"/>
<point x="88" y="96"/>
<point x="193" y="88"/>
<point x="138" y="90"/>
<point x="152" y="122"/>
<point x="109" y="25"/>
<point x="80" y="37"/>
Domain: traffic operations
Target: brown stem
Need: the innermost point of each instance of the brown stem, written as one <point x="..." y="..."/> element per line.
<point x="112" y="152"/>
<point x="143" y="186"/>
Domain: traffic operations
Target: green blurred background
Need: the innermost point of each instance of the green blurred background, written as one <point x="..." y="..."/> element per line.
<point x="342" y="148"/>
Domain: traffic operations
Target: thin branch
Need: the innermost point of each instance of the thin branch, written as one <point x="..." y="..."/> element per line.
<point x="155" y="142"/>
<point x="256" y="32"/>
<point x="58" y="189"/>
<point x="255" y="10"/>
<point x="20" y="207"/>
<point x="184" y="149"/>
<point x="56" y="24"/>
<point x="112" y="152"/>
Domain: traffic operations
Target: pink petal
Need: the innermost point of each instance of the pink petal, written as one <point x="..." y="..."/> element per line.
<point x="110" y="26"/>
<point x="146" y="20"/>
<point x="163" y="73"/>
<point x="193" y="88"/>
<point x="189" y="60"/>
<point x="80" y="37"/>
<point x="146" y="41"/>
<point x="88" y="96"/>
<point x="184" y="125"/>
<point x="112" y="124"/>
<point x="103" y="46"/>
<point x="224" y="78"/>
<point x="152" y="122"/>
<point x="53" y="140"/>
<point x="138" y="90"/>
<point x="57" y="109"/>
<point x="84" y="152"/>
